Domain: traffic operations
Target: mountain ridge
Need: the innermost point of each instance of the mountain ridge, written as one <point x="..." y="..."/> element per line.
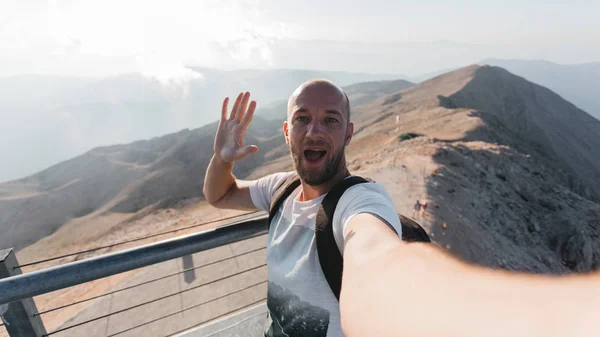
<point x="576" y="83"/>
<point x="503" y="196"/>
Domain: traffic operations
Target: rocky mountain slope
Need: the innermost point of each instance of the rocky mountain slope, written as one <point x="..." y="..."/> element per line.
<point x="118" y="179"/>
<point x="509" y="167"/>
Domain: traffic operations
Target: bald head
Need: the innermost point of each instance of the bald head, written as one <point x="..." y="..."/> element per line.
<point x="320" y="94"/>
<point x="318" y="129"/>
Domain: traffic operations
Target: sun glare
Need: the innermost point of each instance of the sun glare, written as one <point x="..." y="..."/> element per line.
<point x="165" y="37"/>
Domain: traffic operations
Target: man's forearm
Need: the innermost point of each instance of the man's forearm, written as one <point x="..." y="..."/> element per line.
<point x="418" y="290"/>
<point x="218" y="180"/>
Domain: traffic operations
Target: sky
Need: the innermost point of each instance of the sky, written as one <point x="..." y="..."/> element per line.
<point x="158" y="38"/>
<point x="45" y="119"/>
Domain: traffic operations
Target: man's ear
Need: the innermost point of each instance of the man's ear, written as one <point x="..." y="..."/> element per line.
<point x="285" y="132"/>
<point x="349" y="133"/>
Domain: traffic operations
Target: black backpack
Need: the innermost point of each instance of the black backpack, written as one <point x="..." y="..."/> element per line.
<point x="330" y="258"/>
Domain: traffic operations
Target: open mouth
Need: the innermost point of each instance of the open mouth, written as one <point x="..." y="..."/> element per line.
<point x="314" y="155"/>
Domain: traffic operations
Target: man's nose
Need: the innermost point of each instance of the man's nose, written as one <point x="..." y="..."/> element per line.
<point x="315" y="129"/>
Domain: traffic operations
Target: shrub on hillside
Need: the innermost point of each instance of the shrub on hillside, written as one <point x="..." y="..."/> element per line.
<point x="409" y="135"/>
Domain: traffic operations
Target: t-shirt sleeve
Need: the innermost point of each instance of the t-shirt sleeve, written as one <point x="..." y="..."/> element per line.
<point x="262" y="190"/>
<point x="364" y="198"/>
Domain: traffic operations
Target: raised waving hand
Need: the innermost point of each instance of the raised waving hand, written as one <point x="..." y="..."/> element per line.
<point x="229" y="140"/>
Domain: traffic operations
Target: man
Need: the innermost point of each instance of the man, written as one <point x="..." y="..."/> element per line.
<point x="317" y="130"/>
<point x="416" y="208"/>
<point x="388" y="288"/>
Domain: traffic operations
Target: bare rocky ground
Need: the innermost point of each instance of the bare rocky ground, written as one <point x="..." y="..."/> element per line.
<point x="491" y="205"/>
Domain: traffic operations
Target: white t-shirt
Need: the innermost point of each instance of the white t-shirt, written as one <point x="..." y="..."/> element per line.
<point x="299" y="299"/>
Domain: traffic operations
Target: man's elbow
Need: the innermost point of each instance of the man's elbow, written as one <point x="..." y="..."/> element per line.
<point x="219" y="204"/>
<point x="210" y="198"/>
<point x="216" y="203"/>
<point x="213" y="203"/>
<point x="222" y="202"/>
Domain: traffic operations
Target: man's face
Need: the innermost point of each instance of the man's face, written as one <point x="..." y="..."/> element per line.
<point x="317" y="131"/>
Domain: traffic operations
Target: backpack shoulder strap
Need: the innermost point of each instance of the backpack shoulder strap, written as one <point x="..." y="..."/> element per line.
<point x="330" y="258"/>
<point x="283" y="191"/>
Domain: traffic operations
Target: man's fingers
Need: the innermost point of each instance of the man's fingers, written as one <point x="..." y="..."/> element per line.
<point x="224" y="109"/>
<point x="242" y="108"/>
<point x="236" y="105"/>
<point x="251" y="149"/>
<point x="249" y="114"/>
<point x="246" y="150"/>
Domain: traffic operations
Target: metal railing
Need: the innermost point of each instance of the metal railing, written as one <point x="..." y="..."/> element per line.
<point x="16" y="290"/>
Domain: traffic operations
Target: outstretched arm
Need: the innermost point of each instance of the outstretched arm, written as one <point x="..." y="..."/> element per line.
<point x="390" y="288"/>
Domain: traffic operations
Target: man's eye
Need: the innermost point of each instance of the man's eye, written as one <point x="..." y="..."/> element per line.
<point x="302" y="118"/>
<point x="331" y="120"/>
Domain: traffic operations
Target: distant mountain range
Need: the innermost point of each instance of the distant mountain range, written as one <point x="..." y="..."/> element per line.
<point x="48" y="119"/>
<point x="358" y="94"/>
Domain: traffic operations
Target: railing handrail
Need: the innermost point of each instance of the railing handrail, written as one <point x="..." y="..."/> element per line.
<point x="66" y="275"/>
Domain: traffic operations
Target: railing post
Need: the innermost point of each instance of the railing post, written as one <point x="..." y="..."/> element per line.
<point x="20" y="317"/>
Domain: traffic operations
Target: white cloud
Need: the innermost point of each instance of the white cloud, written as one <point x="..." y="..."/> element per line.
<point x="164" y="36"/>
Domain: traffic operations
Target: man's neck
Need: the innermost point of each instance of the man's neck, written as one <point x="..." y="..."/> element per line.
<point x="311" y="192"/>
